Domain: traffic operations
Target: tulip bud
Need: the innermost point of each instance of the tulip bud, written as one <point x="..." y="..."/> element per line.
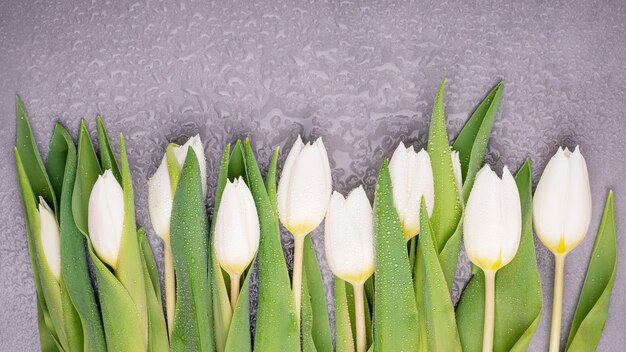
<point x="458" y="176"/>
<point x="50" y="238"/>
<point x="562" y="202"/>
<point x="493" y="220"/>
<point x="349" y="236"/>
<point x="106" y="217"/>
<point x="304" y="188"/>
<point x="411" y="178"/>
<point x="237" y="229"/>
<point x="160" y="188"/>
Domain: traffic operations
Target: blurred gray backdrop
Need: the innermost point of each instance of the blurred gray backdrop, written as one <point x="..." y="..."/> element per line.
<point x="362" y="74"/>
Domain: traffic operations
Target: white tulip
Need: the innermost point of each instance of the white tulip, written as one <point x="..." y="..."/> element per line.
<point x="493" y="220"/>
<point x="304" y="188"/>
<point x="160" y="190"/>
<point x="562" y="202"/>
<point x="50" y="238"/>
<point x="411" y="177"/>
<point x="349" y="236"/>
<point x="458" y="176"/>
<point x="106" y="217"/>
<point x="237" y="230"/>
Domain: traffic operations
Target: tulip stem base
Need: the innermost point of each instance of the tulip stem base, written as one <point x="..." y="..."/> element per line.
<point x="234" y="290"/>
<point x="359" y="317"/>
<point x="490" y="302"/>
<point x="170" y="286"/>
<point x="557" y="302"/>
<point x="297" y="272"/>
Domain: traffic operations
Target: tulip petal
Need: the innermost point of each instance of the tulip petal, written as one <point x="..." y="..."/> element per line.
<point x="283" y="184"/>
<point x="578" y="215"/>
<point x="160" y="200"/>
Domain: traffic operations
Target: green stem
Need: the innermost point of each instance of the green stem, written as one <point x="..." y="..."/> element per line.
<point x="297" y="272"/>
<point x="490" y="302"/>
<point x="170" y="286"/>
<point x="359" y="317"/>
<point x="557" y="302"/>
<point x="234" y="290"/>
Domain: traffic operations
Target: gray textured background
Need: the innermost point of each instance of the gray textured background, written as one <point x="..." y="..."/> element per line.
<point x="361" y="74"/>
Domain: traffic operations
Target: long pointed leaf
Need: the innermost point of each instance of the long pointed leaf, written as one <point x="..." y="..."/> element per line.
<point x="61" y="165"/>
<point x="517" y="285"/>
<point x="107" y="158"/>
<point x="447" y="210"/>
<point x="344" y="340"/>
<point x="87" y="171"/>
<point x="193" y="326"/>
<point x="439" y="318"/>
<point x="395" y="311"/>
<point x="320" y="326"/>
<point x="472" y="141"/>
<point x="593" y="303"/>
<point x="276" y="324"/>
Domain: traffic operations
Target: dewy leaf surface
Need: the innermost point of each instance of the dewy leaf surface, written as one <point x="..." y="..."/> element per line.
<point x="395" y="312"/>
<point x="593" y="303"/>
<point x="276" y="325"/>
<point x="517" y="285"/>
<point x="61" y="166"/>
<point x="193" y="325"/>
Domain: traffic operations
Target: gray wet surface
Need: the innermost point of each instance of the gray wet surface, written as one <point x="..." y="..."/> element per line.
<point x="362" y="75"/>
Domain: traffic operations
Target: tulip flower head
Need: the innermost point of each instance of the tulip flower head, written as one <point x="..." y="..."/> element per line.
<point x="237" y="231"/>
<point x="562" y="202"/>
<point x="493" y="220"/>
<point x="349" y="236"/>
<point x="411" y="178"/>
<point x="160" y="188"/>
<point x="304" y="188"/>
<point x="50" y="238"/>
<point x="106" y="217"/>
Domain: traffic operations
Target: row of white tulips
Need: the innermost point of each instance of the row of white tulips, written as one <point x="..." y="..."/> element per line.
<point x="492" y="223"/>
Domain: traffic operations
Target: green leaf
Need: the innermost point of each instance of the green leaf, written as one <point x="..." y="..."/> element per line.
<point x="517" y="285"/>
<point x="472" y="141"/>
<point x="438" y="316"/>
<point x="157" y="329"/>
<point x="61" y="165"/>
<point x="344" y="340"/>
<point x="447" y="210"/>
<point x="593" y="303"/>
<point x="88" y="169"/>
<point x="189" y="228"/>
<point x="395" y="311"/>
<point x="115" y="301"/>
<point x="308" y="343"/>
<point x="239" y="337"/>
<point x="107" y="158"/>
<point x="320" y="325"/>
<point x="129" y="269"/>
<point x="276" y="324"/>
<point x="47" y="333"/>
<point x="31" y="159"/>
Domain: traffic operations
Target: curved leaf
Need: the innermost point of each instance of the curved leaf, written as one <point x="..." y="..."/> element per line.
<point x="438" y="317"/>
<point x="447" y="210"/>
<point x="344" y="340"/>
<point x="320" y="325"/>
<point x="193" y="326"/>
<point x="87" y="171"/>
<point x="61" y="165"/>
<point x="472" y="141"/>
<point x="107" y="158"/>
<point x="593" y="303"/>
<point x="276" y="324"/>
<point x="395" y="312"/>
<point x="157" y="330"/>
<point x="517" y="285"/>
